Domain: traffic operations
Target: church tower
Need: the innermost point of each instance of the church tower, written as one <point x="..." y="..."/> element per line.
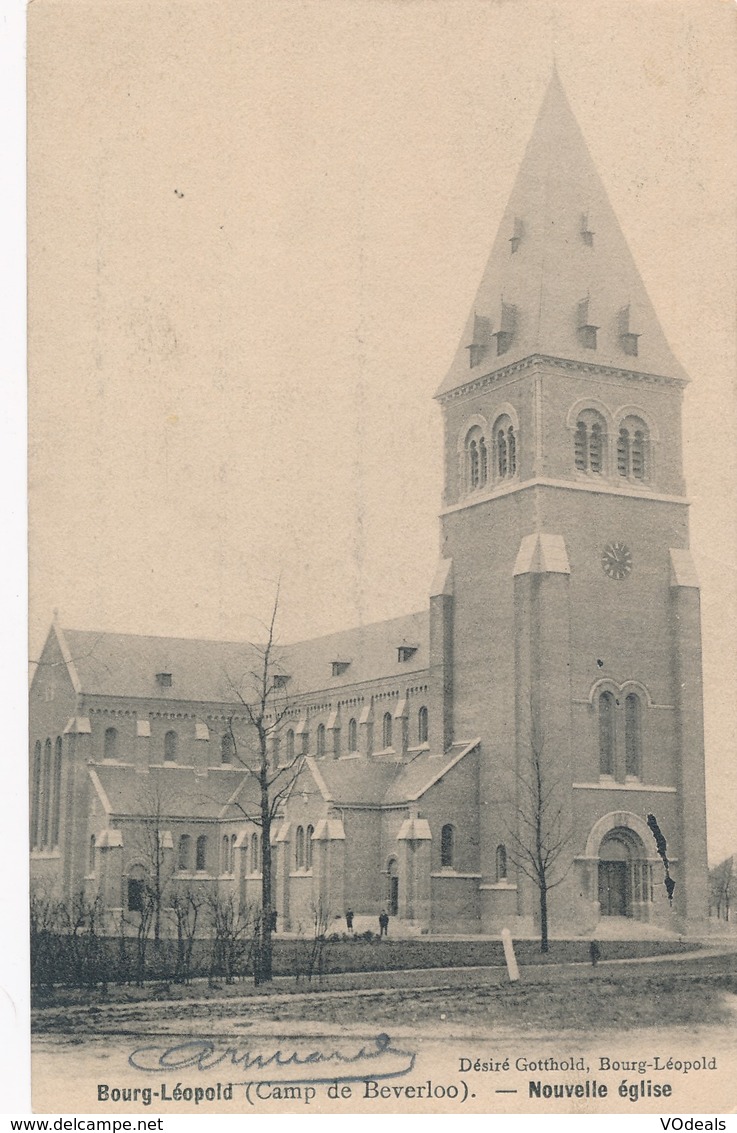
<point x="568" y="600"/>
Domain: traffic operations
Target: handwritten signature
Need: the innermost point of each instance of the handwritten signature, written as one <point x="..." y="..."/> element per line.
<point x="377" y="1058"/>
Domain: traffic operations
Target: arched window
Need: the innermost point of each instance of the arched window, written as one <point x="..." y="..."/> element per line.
<point x="225" y="854"/>
<point x="201" y="853"/>
<point x="590" y="443"/>
<point x="299" y="848"/>
<point x="483" y="461"/>
<point x="110" y="748"/>
<point x="596" y="448"/>
<point x="171" y="743"/>
<point x="580" y="447"/>
<point x="447" y="839"/>
<point x="422" y="728"/>
<point x="184" y="852"/>
<point x="501" y="862"/>
<point x="56" y="803"/>
<point x="632" y="735"/>
<point x="352" y="735"/>
<point x="607" y="733"/>
<point x="505" y="448"/>
<point x="233" y="839"/>
<point x="255" y="854"/>
<point x="633" y="449"/>
<point x="473" y="464"/>
<point x="46" y="794"/>
<point x="386" y="732"/>
<point x="36" y="794"/>
<point x="308" y="846"/>
<point x="227" y="748"/>
<point x="290" y="745"/>
<point x="477" y="459"/>
<point x="91" y="860"/>
<point x="623" y="453"/>
<point x="320" y="739"/>
<point x="502" y="466"/>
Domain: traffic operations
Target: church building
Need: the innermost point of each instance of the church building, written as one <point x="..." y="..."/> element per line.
<point x="545" y="703"/>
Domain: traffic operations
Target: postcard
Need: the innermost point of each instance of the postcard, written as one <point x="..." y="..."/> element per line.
<point x="382" y="528"/>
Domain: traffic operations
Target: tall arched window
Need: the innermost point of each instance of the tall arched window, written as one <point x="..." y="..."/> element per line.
<point x="422" y="725"/>
<point x="290" y="745"/>
<point x="512" y="450"/>
<point x="501" y="862"/>
<point x="623" y="453"/>
<point x="184" y="853"/>
<point x="110" y="746"/>
<point x="607" y="733"/>
<point x="91" y="858"/>
<point x="473" y="464"/>
<point x="36" y="794"/>
<point x="299" y="848"/>
<point x="352" y="735"/>
<point x="255" y="854"/>
<point x="225" y="854"/>
<point x="320" y="741"/>
<point x="201" y="853"/>
<point x="227" y="748"/>
<point x="483" y="461"/>
<point x="56" y="799"/>
<point x="386" y="731"/>
<point x="590" y="443"/>
<point x="46" y="794"/>
<point x="171" y="743"/>
<point x="632" y="735"/>
<point x="596" y="448"/>
<point x="502" y="466"/>
<point x="308" y="846"/>
<point x="476" y="459"/>
<point x="233" y="840"/>
<point x="447" y="840"/>
<point x="633" y="449"/>
<point x="505" y="448"/>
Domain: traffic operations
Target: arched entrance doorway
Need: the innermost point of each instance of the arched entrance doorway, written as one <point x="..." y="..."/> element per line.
<point x="392" y="894"/>
<point x="625" y="875"/>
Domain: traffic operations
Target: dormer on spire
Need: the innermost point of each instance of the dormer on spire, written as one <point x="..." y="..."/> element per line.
<point x="629" y="335"/>
<point x="587" y="327"/>
<point x="479" y="345"/>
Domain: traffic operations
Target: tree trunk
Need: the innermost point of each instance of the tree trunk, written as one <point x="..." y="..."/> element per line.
<point x="263" y="967"/>
<point x="543" y="918"/>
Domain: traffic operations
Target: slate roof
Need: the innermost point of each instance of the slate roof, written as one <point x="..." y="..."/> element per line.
<point x="366" y="782"/>
<point x="125" y="665"/>
<point x="174" y="792"/>
<point x="556" y="194"/>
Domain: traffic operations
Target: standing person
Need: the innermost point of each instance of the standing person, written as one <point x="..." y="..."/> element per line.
<point x="349" y="919"/>
<point x="383" y="922"/>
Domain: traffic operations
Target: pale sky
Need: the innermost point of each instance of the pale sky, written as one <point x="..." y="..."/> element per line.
<point x="256" y="230"/>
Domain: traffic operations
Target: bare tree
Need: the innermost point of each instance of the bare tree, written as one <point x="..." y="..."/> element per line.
<point x="262" y="693"/>
<point x="231" y="923"/>
<point x="149" y="843"/>
<point x="538" y="840"/>
<point x="721" y="879"/>
<point x="186" y="906"/>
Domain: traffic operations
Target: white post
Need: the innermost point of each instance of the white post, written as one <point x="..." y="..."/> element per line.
<point x="512" y="969"/>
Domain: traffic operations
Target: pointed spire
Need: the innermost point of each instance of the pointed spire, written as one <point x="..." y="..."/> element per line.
<point x="559" y="249"/>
